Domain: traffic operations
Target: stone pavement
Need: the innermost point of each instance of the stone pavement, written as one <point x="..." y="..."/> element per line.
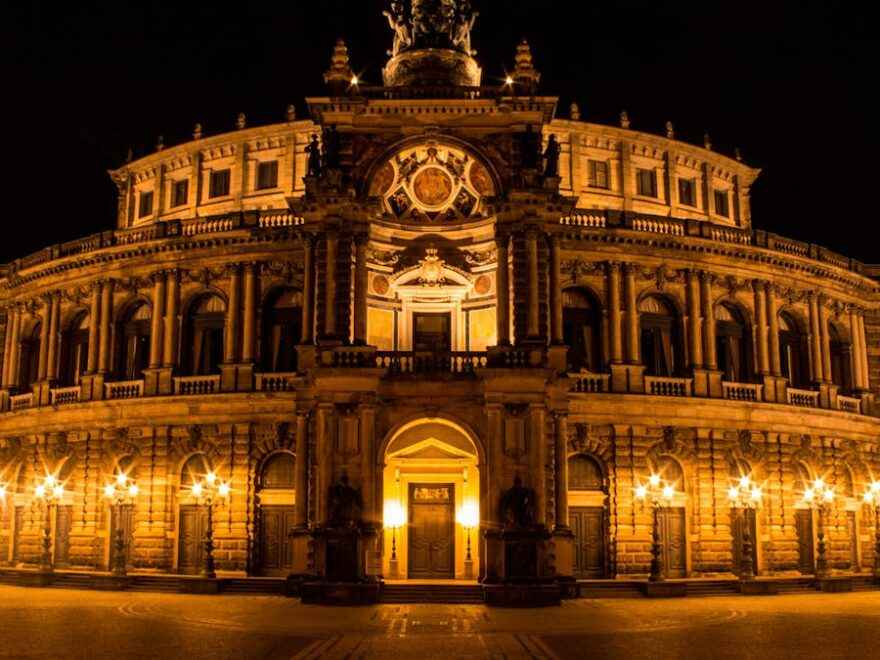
<point x="48" y="623"/>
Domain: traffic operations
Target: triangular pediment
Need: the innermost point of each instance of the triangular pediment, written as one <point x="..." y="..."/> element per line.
<point x="431" y="449"/>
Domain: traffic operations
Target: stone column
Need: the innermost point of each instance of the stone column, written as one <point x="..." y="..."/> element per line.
<point x="233" y="316"/>
<point x="561" y="420"/>
<point x="308" y="321"/>
<point x="761" y="323"/>
<point x="533" y="328"/>
<point x="710" y="350"/>
<point x="773" y="339"/>
<point x="694" y="320"/>
<point x="862" y="350"/>
<point x="495" y="472"/>
<point x="156" y="320"/>
<point x="7" y="345"/>
<point x="15" y="350"/>
<point x="301" y="475"/>
<point x="44" y="338"/>
<point x="54" y="338"/>
<point x="825" y="337"/>
<point x="360" y="290"/>
<point x="556" y="330"/>
<point x="249" y="326"/>
<point x="815" y="337"/>
<point x="633" y="349"/>
<point x="367" y="432"/>
<point x="172" y="311"/>
<point x="106" y="313"/>
<point x="502" y="290"/>
<point x="614" y="317"/>
<point x="330" y="286"/>
<point x="94" y="329"/>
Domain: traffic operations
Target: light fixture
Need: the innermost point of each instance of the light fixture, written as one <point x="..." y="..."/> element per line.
<point x="733" y="493"/>
<point x="668" y="492"/>
<point x="197" y="489"/>
<point x="508" y="80"/>
<point x="354" y="80"/>
<point x="40" y="491"/>
<point x="133" y="490"/>
<point x="654" y="480"/>
<point x="809" y="494"/>
<point x="210" y="478"/>
<point x="875" y="487"/>
<point x="744" y="481"/>
<point x="641" y="492"/>
<point x="469" y="516"/>
<point x="756" y="494"/>
<point x="223" y="490"/>
<point x="2" y="492"/>
<point x="819" y="484"/>
<point x="109" y="491"/>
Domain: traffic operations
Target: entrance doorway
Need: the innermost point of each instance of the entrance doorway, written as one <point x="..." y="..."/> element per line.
<point x="431" y="531"/>
<point x="804" y="526"/>
<point x="125" y="521"/>
<point x="588" y="525"/>
<point x="744" y="519"/>
<point x="63" y="522"/>
<point x="672" y="542"/>
<point x="853" y="536"/>
<point x="193" y="524"/>
<point x="432" y="332"/>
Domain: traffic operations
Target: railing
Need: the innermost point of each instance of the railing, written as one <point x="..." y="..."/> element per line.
<point x="21" y="401"/>
<point x="659" y="226"/>
<point x="271" y="220"/>
<point x="586" y="381"/>
<point x="418" y="362"/>
<point x="666" y="386"/>
<point x="208" y="225"/>
<point x="579" y="218"/>
<point x="58" y="396"/>
<point x="742" y="391"/>
<point x="196" y="384"/>
<point x="124" y="389"/>
<point x="280" y="382"/>
<point x="350" y="357"/>
<point x="849" y="404"/>
<point x="803" y="398"/>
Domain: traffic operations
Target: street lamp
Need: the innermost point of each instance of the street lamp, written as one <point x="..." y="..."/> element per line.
<point x="820" y="497"/>
<point x="872" y="497"/>
<point x="659" y="492"/>
<point x="122" y="492"/>
<point x="469" y="518"/>
<point x="393" y="519"/>
<point x="49" y="492"/>
<point x="205" y="493"/>
<point x="746" y="496"/>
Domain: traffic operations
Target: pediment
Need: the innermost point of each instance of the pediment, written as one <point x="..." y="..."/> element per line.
<point x="432" y="449"/>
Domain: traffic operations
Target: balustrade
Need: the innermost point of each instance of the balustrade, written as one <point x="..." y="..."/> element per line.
<point x="849" y="404"/>
<point x="412" y="362"/>
<point x="60" y="395"/>
<point x="279" y="382"/>
<point x="21" y="401"/>
<point x="124" y="389"/>
<point x="196" y="384"/>
<point x="742" y="391"/>
<point x="804" y="398"/>
<point x="664" y="386"/>
<point x="586" y="381"/>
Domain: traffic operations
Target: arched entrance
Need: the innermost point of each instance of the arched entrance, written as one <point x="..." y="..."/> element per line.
<point x="431" y="502"/>
<point x="276" y="496"/>
<point x="587" y="516"/>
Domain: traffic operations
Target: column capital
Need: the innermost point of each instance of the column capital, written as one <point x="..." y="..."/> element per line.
<point x="157" y="276"/>
<point x="758" y="285"/>
<point x="613" y="266"/>
<point x="707" y="277"/>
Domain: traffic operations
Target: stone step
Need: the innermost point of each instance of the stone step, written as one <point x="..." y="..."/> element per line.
<point x="428" y="593"/>
<point x="256" y="586"/>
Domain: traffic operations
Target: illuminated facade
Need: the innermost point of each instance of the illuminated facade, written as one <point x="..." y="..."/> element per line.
<point x="431" y="303"/>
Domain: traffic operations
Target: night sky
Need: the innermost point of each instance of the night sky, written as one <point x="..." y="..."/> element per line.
<point x="790" y="83"/>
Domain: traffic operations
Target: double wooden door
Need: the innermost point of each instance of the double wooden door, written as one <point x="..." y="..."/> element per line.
<point x="744" y="519"/>
<point x="673" y="542"/>
<point x="588" y="526"/>
<point x="122" y="518"/>
<point x="191" y="540"/>
<point x="63" y="523"/>
<point x="276" y="546"/>
<point x="804" y="527"/>
<point x="853" y="536"/>
<point x="431" y="547"/>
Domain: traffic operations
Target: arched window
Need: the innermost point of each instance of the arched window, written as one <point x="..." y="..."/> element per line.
<point x="282" y="329"/>
<point x="740" y="469"/>
<point x="581" y="323"/>
<point x="733" y="344"/>
<point x="661" y="347"/>
<point x="278" y="472"/>
<point x="203" y="335"/>
<point x="75" y="350"/>
<point x="584" y="473"/>
<point x="133" y="342"/>
<point x="802" y="479"/>
<point x="194" y="470"/>
<point x="29" y="364"/>
<point x="793" y="351"/>
<point x="841" y="357"/>
<point x="670" y="472"/>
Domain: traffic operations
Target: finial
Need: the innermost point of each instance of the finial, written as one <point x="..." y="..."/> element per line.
<point x="575" y="112"/>
<point x="670" y="130"/>
<point x="160" y="144"/>
<point x="291" y="112"/>
<point x="240" y="121"/>
<point x="624" y="119"/>
<point x="129" y="156"/>
<point x="737" y="154"/>
<point x="339" y="75"/>
<point x="707" y="141"/>
<point x="524" y="73"/>
<point x="197" y="132"/>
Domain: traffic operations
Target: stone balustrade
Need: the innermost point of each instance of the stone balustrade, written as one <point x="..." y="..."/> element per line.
<point x="588" y="382"/>
<point x="665" y="386"/>
<point x="188" y="385"/>
<point x="21" y="401"/>
<point x="124" y="389"/>
<point x="849" y="404"/>
<point x="59" y="396"/>
<point x="742" y="391"/>
<point x="803" y="398"/>
<point x="278" y="382"/>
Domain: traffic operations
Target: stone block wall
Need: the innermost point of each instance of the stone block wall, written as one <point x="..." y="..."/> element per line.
<point x="872" y="341"/>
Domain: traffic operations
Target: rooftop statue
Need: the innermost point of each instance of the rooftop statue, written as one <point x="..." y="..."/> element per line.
<point x="443" y="24"/>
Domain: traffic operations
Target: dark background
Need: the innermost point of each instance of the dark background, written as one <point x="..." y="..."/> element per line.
<point x="791" y="83"/>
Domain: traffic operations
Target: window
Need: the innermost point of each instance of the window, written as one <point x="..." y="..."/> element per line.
<point x="581" y="323"/>
<point x="646" y="183"/>
<point x="145" y="205"/>
<point x="721" y="204"/>
<point x="203" y="335"/>
<point x="219" y="184"/>
<point x="133" y="342"/>
<point x="661" y="345"/>
<point x="599" y="174"/>
<point x="74" y="350"/>
<point x="282" y="330"/>
<point x="687" y="192"/>
<point x="267" y="175"/>
<point x="179" y="192"/>
<point x="733" y="344"/>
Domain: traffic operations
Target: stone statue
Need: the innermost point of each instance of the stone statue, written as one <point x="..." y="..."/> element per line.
<point x="432" y="22"/>
<point x="331" y="148"/>
<point x="313" y="167"/>
<point x="345" y="504"/>
<point x="530" y="149"/>
<point x="551" y="157"/>
<point x="465" y="17"/>
<point x="400" y="26"/>
<point x="518" y="506"/>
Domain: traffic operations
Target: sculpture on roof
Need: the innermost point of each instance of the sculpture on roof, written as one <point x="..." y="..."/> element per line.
<point x="442" y="24"/>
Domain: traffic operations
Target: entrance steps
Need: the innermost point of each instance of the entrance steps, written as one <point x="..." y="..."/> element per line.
<point x="464" y="594"/>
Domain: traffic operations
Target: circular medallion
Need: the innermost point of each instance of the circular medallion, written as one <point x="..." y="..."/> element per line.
<point x="380" y="284"/>
<point x="432" y="186"/>
<point x="483" y="285"/>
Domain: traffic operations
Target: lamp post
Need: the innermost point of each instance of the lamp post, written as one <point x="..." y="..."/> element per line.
<point x="205" y="493"/>
<point x="820" y="497"/>
<point x="658" y="492"/>
<point x="49" y="492"/>
<point x="393" y="519"/>
<point x="872" y="498"/>
<point x="745" y="497"/>
<point x="469" y="518"/>
<point x="122" y="492"/>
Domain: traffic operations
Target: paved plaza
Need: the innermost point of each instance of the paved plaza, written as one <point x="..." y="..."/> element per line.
<point x="48" y="623"/>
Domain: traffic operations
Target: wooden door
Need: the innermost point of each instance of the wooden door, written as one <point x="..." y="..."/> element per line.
<point x="431" y="548"/>
<point x="852" y="535"/>
<point x="191" y="541"/>
<point x="804" y="526"/>
<point x="276" y="546"/>
<point x="16" y="534"/>
<point x="673" y="542"/>
<point x="63" y="520"/>
<point x="741" y="518"/>
<point x="588" y="525"/>
<point x="125" y="520"/>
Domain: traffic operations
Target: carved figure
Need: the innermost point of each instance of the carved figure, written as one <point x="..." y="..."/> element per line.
<point x="313" y="149"/>
<point x="518" y="506"/>
<point x="551" y="157"/>
<point x="345" y="504"/>
<point x="331" y="148"/>
<point x="432" y="22"/>
<point x="400" y="26"/>
<point x="465" y="17"/>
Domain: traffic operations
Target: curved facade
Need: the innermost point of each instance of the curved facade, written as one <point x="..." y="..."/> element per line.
<point x="429" y="307"/>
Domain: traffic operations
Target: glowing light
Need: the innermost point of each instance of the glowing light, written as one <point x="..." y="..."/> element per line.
<point x="40" y="491"/>
<point x="49" y="481"/>
<point x="745" y="482"/>
<point x="469" y="515"/>
<point x="733" y="493"/>
<point x="809" y="494"/>
<point x="819" y="484"/>
<point x="354" y="80"/>
<point x="210" y="478"/>
<point x="508" y="80"/>
<point x="668" y="492"/>
<point x="133" y="490"/>
<point x="110" y="491"/>
<point x="654" y="480"/>
<point x="197" y="489"/>
<point x="756" y="494"/>
<point x="868" y="497"/>
<point x="828" y="495"/>
<point x="2" y="492"/>
<point x="393" y="515"/>
<point x="875" y="487"/>
<point x="58" y="492"/>
<point x="121" y="478"/>
<point x="223" y="490"/>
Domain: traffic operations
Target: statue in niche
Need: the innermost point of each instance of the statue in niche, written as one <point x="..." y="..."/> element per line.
<point x="400" y="26"/>
<point x="551" y="157"/>
<point x="345" y="504"/>
<point x="530" y="149"/>
<point x="465" y="17"/>
<point x="331" y="148"/>
<point x="518" y="506"/>
<point x="313" y="165"/>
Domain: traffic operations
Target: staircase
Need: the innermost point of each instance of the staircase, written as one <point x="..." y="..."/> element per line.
<point x="865" y="583"/>
<point x="253" y="586"/>
<point x="608" y="589"/>
<point x="713" y="588"/>
<point x="71" y="581"/>
<point x="796" y="585"/>
<point x="465" y="594"/>
<point x="165" y="583"/>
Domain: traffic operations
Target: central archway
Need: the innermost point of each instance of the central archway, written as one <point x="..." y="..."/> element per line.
<point x="431" y="493"/>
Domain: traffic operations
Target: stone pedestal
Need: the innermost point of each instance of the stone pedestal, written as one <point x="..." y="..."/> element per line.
<point x="828" y="395"/>
<point x="774" y="389"/>
<point x="158" y="381"/>
<point x="523" y="576"/>
<point x="306" y="356"/>
<point x="432" y="66"/>
<point x="557" y="358"/>
<point x="340" y="567"/>
<point x="835" y="584"/>
<point x="236" y="377"/>
<point x="628" y="378"/>
<point x="92" y="387"/>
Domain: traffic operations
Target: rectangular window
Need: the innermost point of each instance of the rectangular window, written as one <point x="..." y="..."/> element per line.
<point x="722" y="206"/>
<point x="646" y="183"/>
<point x="599" y="174"/>
<point x="687" y="192"/>
<point x="267" y="175"/>
<point x="219" y="184"/>
<point x="145" y="204"/>
<point x="179" y="192"/>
